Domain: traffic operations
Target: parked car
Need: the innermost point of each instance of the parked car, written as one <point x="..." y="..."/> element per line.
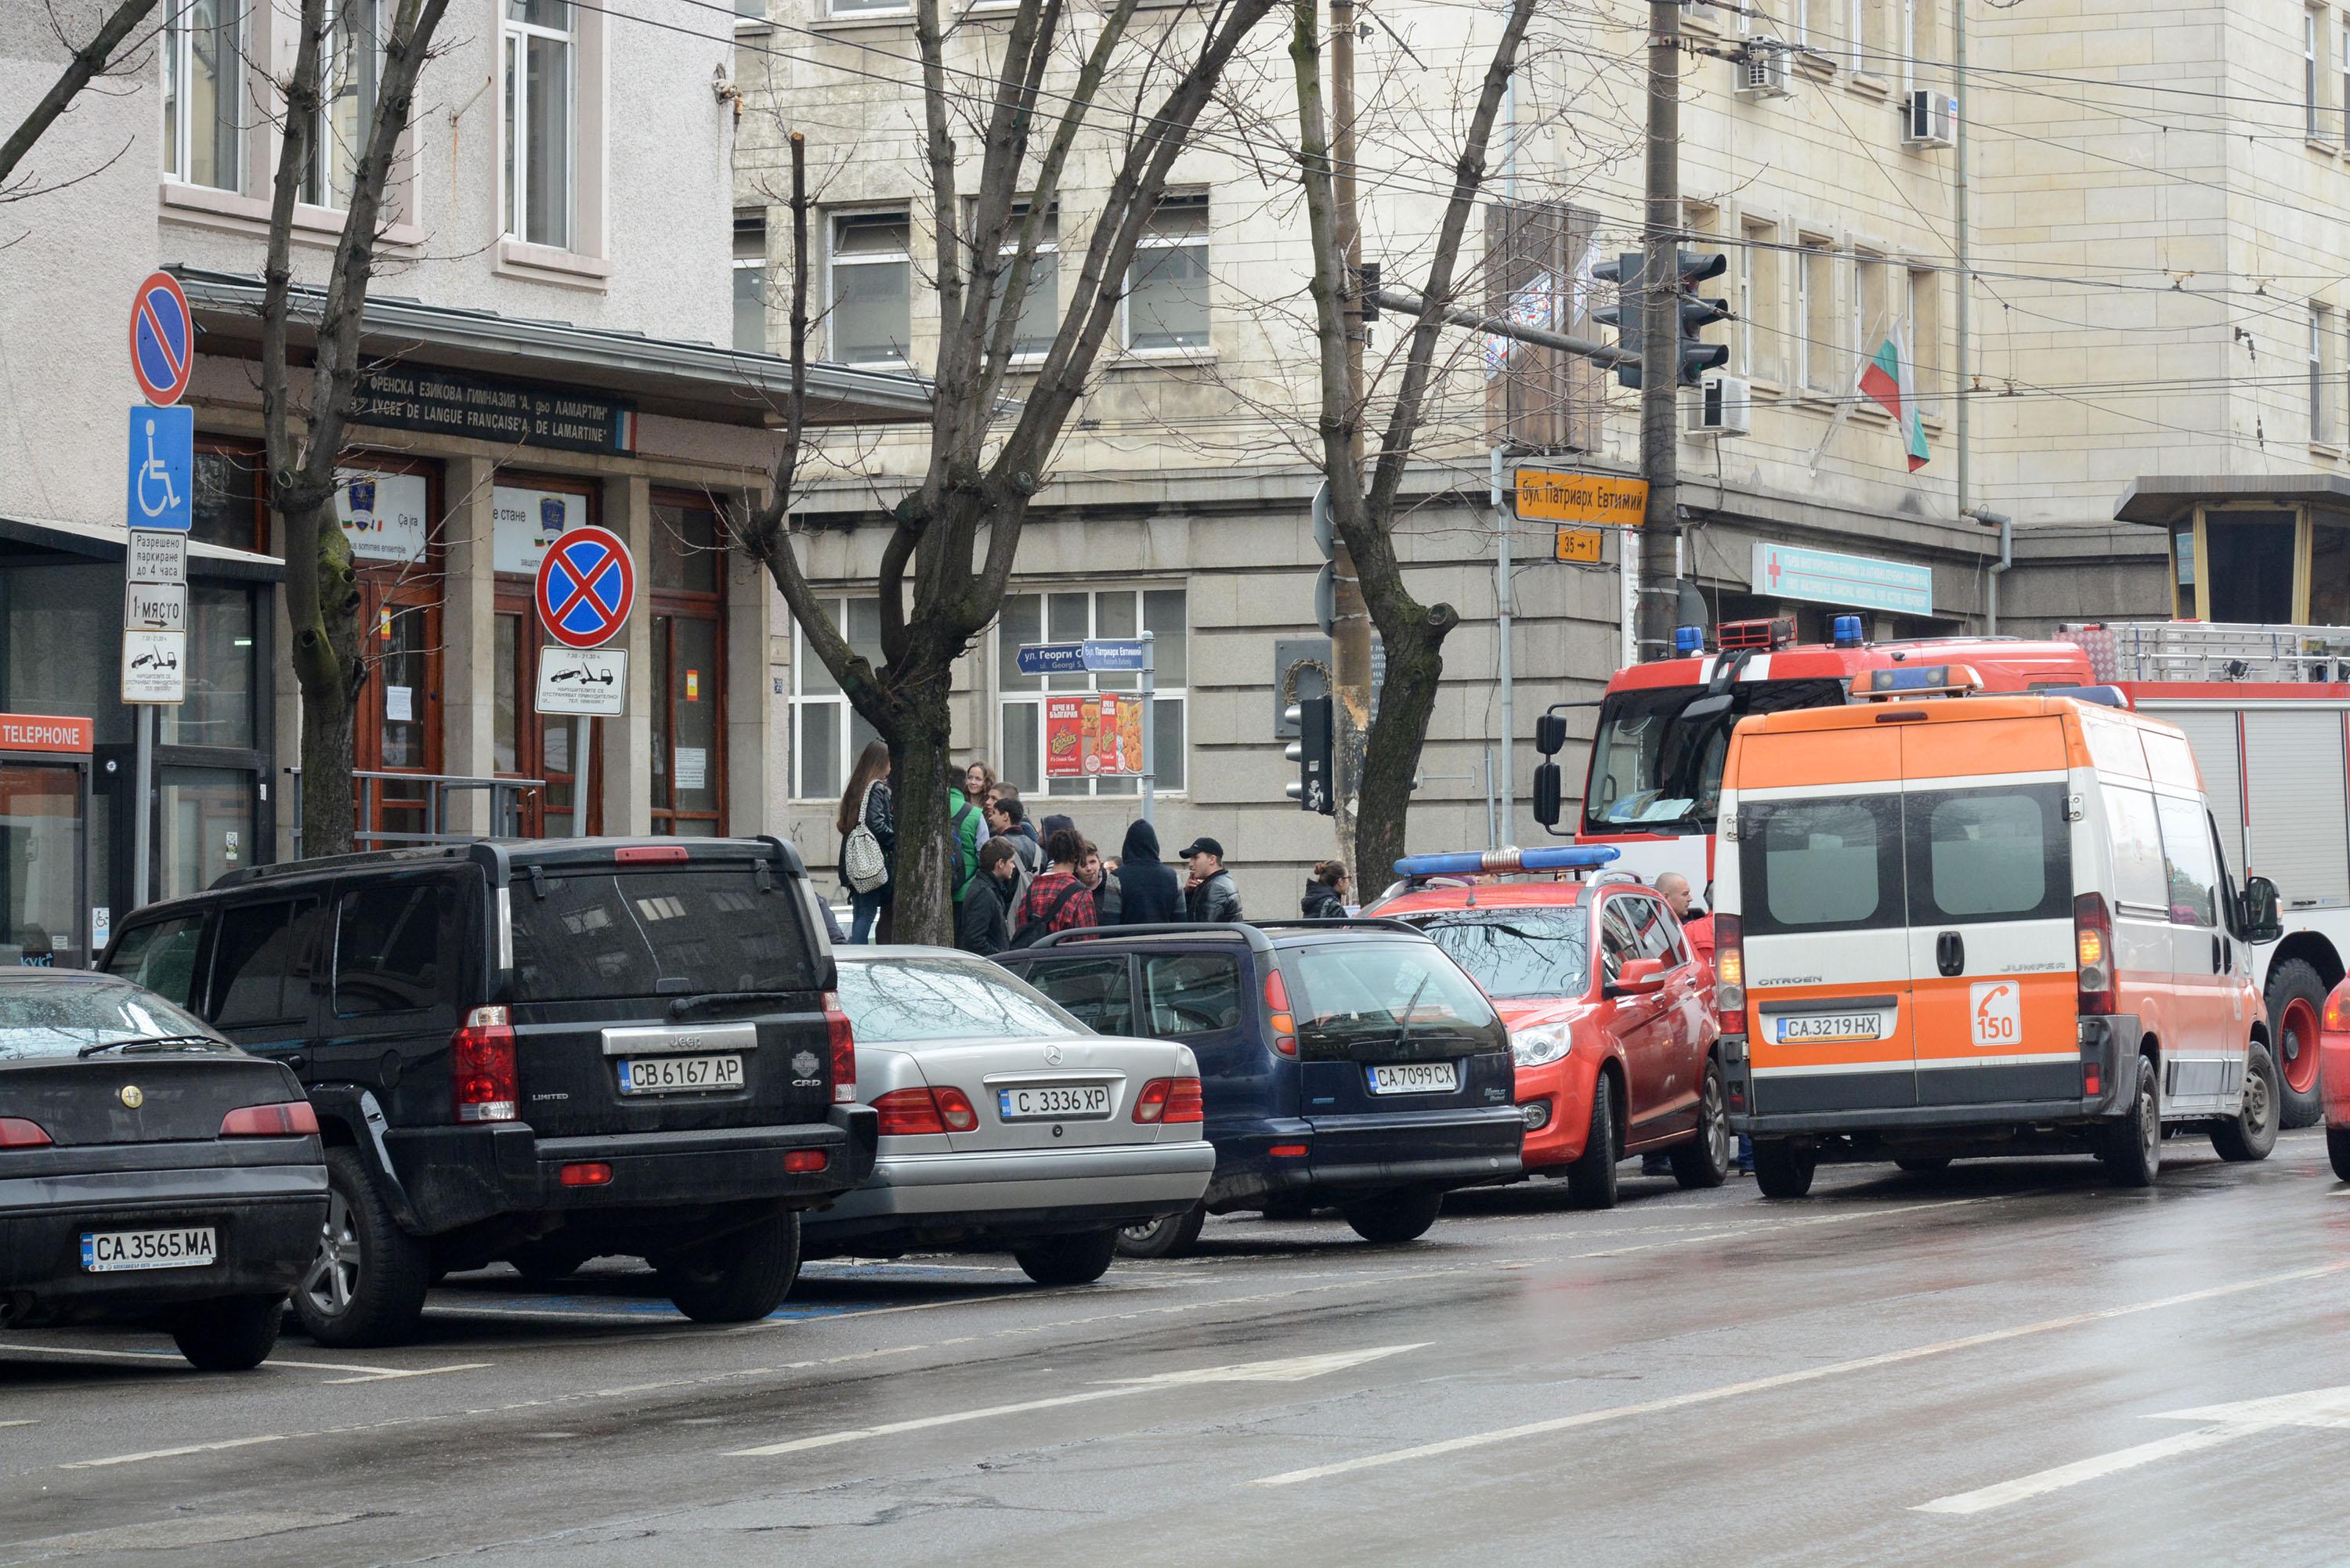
<point x="149" y="1170"/>
<point x="1613" y="1040"/>
<point x="1005" y="1123"/>
<point x="2334" y="1052"/>
<point x="1345" y="1063"/>
<point x="538" y="1051"/>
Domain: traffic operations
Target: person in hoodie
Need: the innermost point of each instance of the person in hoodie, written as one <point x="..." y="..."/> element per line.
<point x="1209" y="895"/>
<point x="1325" y="892"/>
<point x="1148" y="891"/>
<point x="984" y="918"/>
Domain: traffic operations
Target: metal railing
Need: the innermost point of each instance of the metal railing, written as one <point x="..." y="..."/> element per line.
<point x="2213" y="651"/>
<point x="505" y="805"/>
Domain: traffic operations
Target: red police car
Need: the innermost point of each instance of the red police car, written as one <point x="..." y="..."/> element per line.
<point x="1609" y="1010"/>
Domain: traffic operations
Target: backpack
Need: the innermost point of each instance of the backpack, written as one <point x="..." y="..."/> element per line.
<point x="1033" y="932"/>
<point x="862" y="864"/>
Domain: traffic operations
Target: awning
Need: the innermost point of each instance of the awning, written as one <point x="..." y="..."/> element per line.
<point x="2164" y="500"/>
<point x="104" y="542"/>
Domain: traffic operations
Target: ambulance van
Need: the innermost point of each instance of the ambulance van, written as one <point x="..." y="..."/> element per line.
<point x="1951" y="924"/>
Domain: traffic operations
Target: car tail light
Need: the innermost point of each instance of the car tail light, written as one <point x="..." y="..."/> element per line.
<point x="2092" y="1081"/>
<point x="805" y="1161"/>
<point x="2092" y="948"/>
<point x="1285" y="1023"/>
<point x="1289" y="1150"/>
<point x="287" y="1118"/>
<point x="955" y="1109"/>
<point x="2337" y="1010"/>
<point x="482" y="1067"/>
<point x="908" y="1113"/>
<point x="1150" y="1106"/>
<point x="586" y="1173"/>
<point x="644" y="854"/>
<point x="16" y="1132"/>
<point x="844" y="1051"/>
<point x="1730" y="974"/>
<point x="1184" y="1103"/>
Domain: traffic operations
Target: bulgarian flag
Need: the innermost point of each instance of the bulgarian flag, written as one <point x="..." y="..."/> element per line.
<point x="1886" y="378"/>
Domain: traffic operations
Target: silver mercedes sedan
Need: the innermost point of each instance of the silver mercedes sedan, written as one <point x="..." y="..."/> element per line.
<point x="1005" y="1123"/>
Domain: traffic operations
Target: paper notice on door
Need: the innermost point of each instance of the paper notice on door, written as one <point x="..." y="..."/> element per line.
<point x="692" y="767"/>
<point x="400" y="704"/>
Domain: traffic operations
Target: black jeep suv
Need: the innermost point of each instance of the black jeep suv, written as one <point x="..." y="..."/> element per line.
<point x="541" y="1051"/>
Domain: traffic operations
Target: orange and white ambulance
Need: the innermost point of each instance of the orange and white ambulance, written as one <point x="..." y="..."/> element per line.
<point x="1952" y="924"/>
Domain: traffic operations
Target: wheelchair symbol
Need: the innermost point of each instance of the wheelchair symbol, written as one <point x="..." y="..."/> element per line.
<point x="154" y="470"/>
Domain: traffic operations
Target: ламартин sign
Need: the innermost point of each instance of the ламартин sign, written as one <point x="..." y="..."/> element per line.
<point x="446" y="403"/>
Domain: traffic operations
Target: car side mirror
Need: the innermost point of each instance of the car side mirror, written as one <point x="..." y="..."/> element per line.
<point x="1640" y="977"/>
<point x="2263" y="921"/>
<point x="1546" y="803"/>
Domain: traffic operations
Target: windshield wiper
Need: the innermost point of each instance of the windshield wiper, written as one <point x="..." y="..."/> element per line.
<point x="1403" y="1016"/>
<point x="148" y="1039"/>
<point x="685" y="1005"/>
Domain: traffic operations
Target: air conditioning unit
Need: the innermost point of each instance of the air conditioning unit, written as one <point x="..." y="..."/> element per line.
<point x="1762" y="71"/>
<point x="1929" y="120"/>
<point x="1724" y="406"/>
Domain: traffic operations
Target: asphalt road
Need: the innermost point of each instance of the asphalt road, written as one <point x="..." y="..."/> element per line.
<point x="2007" y="1363"/>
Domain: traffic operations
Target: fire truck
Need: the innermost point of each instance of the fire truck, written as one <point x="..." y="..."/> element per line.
<point x="2267" y="710"/>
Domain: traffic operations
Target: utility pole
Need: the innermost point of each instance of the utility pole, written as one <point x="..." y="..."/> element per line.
<point x="1958" y="215"/>
<point x="1350" y="637"/>
<point x="1661" y="334"/>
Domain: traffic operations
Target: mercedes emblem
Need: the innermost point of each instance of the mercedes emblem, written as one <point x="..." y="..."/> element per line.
<point x="1052" y="1055"/>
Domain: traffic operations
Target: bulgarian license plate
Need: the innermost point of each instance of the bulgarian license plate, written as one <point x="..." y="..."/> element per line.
<point x="112" y="1251"/>
<point x="1053" y="1103"/>
<point x="1814" y="1028"/>
<point x="1414" y="1078"/>
<point x="678" y="1074"/>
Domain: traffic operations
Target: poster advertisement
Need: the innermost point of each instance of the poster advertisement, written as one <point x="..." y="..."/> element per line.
<point x="1095" y="736"/>
<point x="1063" y="759"/>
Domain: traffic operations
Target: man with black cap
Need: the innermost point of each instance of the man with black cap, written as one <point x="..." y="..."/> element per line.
<point x="1209" y="895"/>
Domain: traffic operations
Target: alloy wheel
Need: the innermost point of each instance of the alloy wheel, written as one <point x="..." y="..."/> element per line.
<point x="1717" y="1124"/>
<point x="334" y="1276"/>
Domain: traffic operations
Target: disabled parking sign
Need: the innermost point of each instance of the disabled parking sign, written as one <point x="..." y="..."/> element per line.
<point x="162" y="469"/>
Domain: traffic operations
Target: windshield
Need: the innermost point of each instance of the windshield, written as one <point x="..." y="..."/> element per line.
<point x="1388" y="990"/>
<point x="1517" y="952"/>
<point x="41" y="1018"/>
<point x="1651" y="769"/>
<point x="682" y="932"/>
<point x="898" y="1001"/>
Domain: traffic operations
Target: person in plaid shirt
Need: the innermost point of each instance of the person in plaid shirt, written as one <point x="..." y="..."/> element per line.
<point x="1057" y="900"/>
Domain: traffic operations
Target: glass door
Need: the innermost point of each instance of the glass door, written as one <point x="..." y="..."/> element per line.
<point x="400" y="706"/>
<point x="42" y="888"/>
<point x="689" y="673"/>
<point x="203" y="827"/>
<point x="528" y="746"/>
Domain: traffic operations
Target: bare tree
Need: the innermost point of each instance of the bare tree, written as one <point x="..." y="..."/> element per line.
<point x="304" y="434"/>
<point x="950" y="555"/>
<point x="1364" y="515"/>
<point x="90" y="60"/>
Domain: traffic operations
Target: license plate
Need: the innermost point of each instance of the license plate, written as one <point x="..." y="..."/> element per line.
<point x="1414" y="1078"/>
<point x="674" y="1075"/>
<point x="1813" y="1028"/>
<point x="1053" y="1103"/>
<point x="112" y="1251"/>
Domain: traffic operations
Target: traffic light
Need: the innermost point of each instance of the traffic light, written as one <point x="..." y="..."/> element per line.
<point x="1696" y="314"/>
<point x="1625" y="314"/>
<point x="1311" y="752"/>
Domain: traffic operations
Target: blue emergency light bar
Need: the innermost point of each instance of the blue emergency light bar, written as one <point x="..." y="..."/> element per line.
<point x="1911" y="678"/>
<point x="1473" y="862"/>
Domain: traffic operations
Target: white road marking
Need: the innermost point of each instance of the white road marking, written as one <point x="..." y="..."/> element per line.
<point x="2317" y="1407"/>
<point x="1784" y="1379"/>
<point x="11" y="1347"/>
<point x="34" y="1423"/>
<point x="412" y="1372"/>
<point x="173" y="1453"/>
<point x="1291" y="1369"/>
<point x="275" y="1363"/>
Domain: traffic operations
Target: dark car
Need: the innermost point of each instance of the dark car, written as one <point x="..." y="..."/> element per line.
<point x="1346" y="1063"/>
<point x="149" y="1170"/>
<point x="541" y="1051"/>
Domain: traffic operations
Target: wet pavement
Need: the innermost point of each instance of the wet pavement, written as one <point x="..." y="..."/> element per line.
<point x="2009" y="1363"/>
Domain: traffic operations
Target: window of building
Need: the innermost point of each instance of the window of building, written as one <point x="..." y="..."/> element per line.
<point x="1761" y="334"/>
<point x="870" y="7"/>
<point x="1872" y="305"/>
<point x="1911" y="35"/>
<point x="350" y="65"/>
<point x="203" y="56"/>
<point x="2321" y="353"/>
<point x="871" y="287"/>
<point x="1040" y="306"/>
<point x="2342" y="41"/>
<point x="1929" y="357"/>
<point x="1167" y="286"/>
<point x="1815" y="327"/>
<point x="2311" y="52"/>
<point x="826" y="733"/>
<point x="2247" y="565"/>
<point x="751" y="10"/>
<point x="541" y="45"/>
<point x="1072" y="617"/>
<point x="751" y="281"/>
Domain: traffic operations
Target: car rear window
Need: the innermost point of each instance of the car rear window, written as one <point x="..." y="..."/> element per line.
<point x="1382" y="989"/>
<point x="1990" y="855"/>
<point x="670" y="932"/>
<point x="1821" y="865"/>
<point x="1517" y="952"/>
<point x="63" y="1017"/>
<point x="898" y="1001"/>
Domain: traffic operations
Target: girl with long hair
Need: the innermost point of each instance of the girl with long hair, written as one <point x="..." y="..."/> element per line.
<point x="866" y="801"/>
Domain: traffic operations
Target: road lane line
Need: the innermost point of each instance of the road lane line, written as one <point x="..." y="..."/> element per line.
<point x="1784" y="1379"/>
<point x="2080" y="1470"/>
<point x="173" y="1453"/>
<point x="11" y="1347"/>
<point x="892" y="1428"/>
<point x="412" y="1372"/>
<point x="32" y="1423"/>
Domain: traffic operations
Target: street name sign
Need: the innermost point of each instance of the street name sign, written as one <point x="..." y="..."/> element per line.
<point x="1584" y="499"/>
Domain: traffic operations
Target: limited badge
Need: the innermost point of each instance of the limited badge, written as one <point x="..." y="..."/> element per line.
<point x="804" y="1065"/>
<point x="133" y="1096"/>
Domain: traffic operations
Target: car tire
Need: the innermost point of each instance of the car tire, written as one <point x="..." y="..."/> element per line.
<point x="366" y="1285"/>
<point x="1591" y="1179"/>
<point x="1078" y="1260"/>
<point x="740" y="1276"/>
<point x="1923" y="1164"/>
<point x="1169" y="1236"/>
<point x="1704" y="1160"/>
<point x="1783" y="1168"/>
<point x="1394" y="1218"/>
<point x="2337" y="1151"/>
<point x="546" y="1261"/>
<point x="2251" y="1132"/>
<point x="2295" y="995"/>
<point x="233" y="1334"/>
<point x="2133" y="1140"/>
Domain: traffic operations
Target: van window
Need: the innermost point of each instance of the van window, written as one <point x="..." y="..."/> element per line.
<point x="1097" y="992"/>
<point x="1191" y="993"/>
<point x="261" y="970"/>
<point x="2168" y="759"/>
<point x="1990" y="855"/>
<point x="1821" y="865"/>
<point x="2139" y="875"/>
<point x="162" y="956"/>
<point x="2113" y="746"/>
<point x="394" y="948"/>
<point x="2187" y="855"/>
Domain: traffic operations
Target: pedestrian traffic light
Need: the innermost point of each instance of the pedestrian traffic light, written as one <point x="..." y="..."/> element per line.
<point x="1624" y="315"/>
<point x="1696" y="356"/>
<point x="1311" y="752"/>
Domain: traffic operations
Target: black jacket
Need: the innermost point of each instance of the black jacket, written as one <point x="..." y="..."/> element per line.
<point x="983" y="921"/>
<point x="881" y="817"/>
<point x="1322" y="903"/>
<point x="1149" y="892"/>
<point x="1214" y="901"/>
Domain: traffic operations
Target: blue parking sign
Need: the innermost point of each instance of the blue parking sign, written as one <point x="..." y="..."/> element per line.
<point x="162" y="467"/>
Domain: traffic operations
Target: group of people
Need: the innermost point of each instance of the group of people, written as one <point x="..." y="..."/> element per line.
<point x="1017" y="881"/>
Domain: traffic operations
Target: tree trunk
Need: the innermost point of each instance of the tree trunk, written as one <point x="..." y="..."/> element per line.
<point x="923" y="876"/>
<point x="328" y="670"/>
<point x="1414" y="637"/>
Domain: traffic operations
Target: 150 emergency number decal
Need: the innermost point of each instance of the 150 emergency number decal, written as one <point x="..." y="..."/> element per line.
<point x="1997" y="1008"/>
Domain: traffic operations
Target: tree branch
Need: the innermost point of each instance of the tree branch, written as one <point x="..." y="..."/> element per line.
<point x="89" y="61"/>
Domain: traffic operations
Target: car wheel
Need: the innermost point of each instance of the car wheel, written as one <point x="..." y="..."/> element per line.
<point x="2251" y="1132"/>
<point x="366" y="1283"/>
<point x="548" y="1261"/>
<point x="1704" y="1160"/>
<point x="235" y="1334"/>
<point x="1078" y="1260"/>
<point x="2297" y="1001"/>
<point x="739" y="1277"/>
<point x="1394" y="1218"/>
<point x="2133" y="1140"/>
<point x="1591" y="1179"/>
<point x="2337" y="1151"/>
<point x="1169" y="1236"/>
<point x="1923" y="1164"/>
<point x="1783" y="1168"/>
